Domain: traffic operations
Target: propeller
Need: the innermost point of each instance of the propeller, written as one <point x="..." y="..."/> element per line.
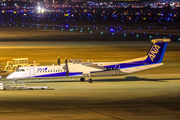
<point x="66" y="67"/>
<point x="58" y="61"/>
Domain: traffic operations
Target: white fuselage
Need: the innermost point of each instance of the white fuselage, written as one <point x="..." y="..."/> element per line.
<point x="74" y="70"/>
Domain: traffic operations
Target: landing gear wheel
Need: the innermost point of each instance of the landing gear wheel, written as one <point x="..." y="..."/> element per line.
<point x="19" y="66"/>
<point x="90" y="80"/>
<point x="8" y="68"/>
<point x="15" y="68"/>
<point x="82" y="79"/>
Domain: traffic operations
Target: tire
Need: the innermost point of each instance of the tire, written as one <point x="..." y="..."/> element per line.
<point x="82" y="79"/>
<point x="19" y="66"/>
<point x="90" y="80"/>
<point x="15" y="68"/>
<point x="8" y="68"/>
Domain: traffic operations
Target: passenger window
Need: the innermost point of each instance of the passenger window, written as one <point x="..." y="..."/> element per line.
<point x="20" y="70"/>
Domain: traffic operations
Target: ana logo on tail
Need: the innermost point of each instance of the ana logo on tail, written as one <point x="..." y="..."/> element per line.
<point x="154" y="52"/>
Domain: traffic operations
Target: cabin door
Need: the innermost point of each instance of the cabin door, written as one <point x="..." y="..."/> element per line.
<point x="32" y="72"/>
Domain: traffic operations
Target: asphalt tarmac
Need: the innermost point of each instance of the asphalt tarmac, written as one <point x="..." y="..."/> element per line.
<point x="132" y="97"/>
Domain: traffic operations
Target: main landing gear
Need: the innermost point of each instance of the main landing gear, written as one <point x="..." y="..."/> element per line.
<point x="82" y="79"/>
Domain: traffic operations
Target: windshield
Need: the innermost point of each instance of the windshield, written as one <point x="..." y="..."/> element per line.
<point x="20" y="70"/>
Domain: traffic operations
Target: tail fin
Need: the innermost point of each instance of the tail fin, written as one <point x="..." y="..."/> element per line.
<point x="156" y="52"/>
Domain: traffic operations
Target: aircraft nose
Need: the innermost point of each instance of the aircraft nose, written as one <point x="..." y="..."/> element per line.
<point x="10" y="76"/>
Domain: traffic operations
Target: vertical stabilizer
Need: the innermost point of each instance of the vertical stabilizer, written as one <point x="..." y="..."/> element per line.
<point x="156" y="52"/>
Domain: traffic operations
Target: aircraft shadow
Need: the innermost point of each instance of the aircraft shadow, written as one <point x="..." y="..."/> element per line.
<point x="128" y="78"/>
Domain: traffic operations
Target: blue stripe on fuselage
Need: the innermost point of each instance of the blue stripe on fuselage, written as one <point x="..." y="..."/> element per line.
<point x="126" y="65"/>
<point x="62" y="74"/>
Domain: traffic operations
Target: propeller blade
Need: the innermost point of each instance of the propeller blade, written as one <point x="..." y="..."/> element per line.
<point x="66" y="68"/>
<point x="66" y="62"/>
<point x="58" y="61"/>
<point x="67" y="72"/>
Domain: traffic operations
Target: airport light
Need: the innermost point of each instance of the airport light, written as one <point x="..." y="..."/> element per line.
<point x="124" y="34"/>
<point x="178" y="38"/>
<point x="101" y="32"/>
<point x="39" y="8"/>
<point x="62" y="29"/>
<point x="112" y="33"/>
<point x="150" y="36"/>
<point x="137" y="35"/>
<point x="90" y="31"/>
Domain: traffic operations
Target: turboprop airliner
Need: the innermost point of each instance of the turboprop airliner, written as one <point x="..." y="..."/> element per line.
<point x="83" y="70"/>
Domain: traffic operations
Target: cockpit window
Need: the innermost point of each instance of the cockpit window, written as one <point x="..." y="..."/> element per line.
<point x="20" y="70"/>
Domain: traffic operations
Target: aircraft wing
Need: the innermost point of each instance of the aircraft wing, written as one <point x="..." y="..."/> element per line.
<point x="94" y="66"/>
<point x="115" y="63"/>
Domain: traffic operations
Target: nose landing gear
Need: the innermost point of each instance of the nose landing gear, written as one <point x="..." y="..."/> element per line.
<point x="15" y="80"/>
